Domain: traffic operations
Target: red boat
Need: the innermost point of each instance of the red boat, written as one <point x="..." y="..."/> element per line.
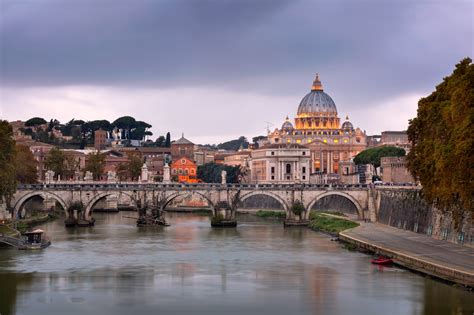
<point x="382" y="261"/>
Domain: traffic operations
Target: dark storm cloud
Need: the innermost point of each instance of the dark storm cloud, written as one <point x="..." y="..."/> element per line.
<point x="364" y="48"/>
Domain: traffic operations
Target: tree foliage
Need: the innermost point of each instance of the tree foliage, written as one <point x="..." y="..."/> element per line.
<point x="234" y="145"/>
<point x="442" y="137"/>
<point x="211" y="173"/>
<point x="131" y="169"/>
<point x="7" y="163"/>
<point x="25" y="165"/>
<point x="56" y="162"/>
<point x="35" y="121"/>
<point x="373" y="155"/>
<point x="96" y="164"/>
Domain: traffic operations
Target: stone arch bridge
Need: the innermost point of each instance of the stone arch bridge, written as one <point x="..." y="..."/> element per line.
<point x="222" y="198"/>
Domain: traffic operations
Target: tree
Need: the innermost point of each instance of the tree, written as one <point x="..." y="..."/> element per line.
<point x="373" y="155"/>
<point x="442" y="137"/>
<point x="25" y="165"/>
<point x="7" y="163"/>
<point x="211" y="173"/>
<point x="96" y="164"/>
<point x="160" y="141"/>
<point x="234" y="145"/>
<point x="131" y="169"/>
<point x="35" y="121"/>
<point x="55" y="161"/>
<point x="168" y="140"/>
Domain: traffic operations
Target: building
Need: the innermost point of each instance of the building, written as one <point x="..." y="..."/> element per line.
<point x="182" y="148"/>
<point x="239" y="158"/>
<point x="100" y="139"/>
<point x="184" y="170"/>
<point x="318" y="127"/>
<point x="394" y="170"/>
<point x="280" y="163"/>
<point x="396" y="139"/>
<point x="203" y="155"/>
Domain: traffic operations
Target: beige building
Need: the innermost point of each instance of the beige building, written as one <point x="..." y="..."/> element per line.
<point x="280" y="163"/>
<point x="394" y="170"/>
<point x="318" y="127"/>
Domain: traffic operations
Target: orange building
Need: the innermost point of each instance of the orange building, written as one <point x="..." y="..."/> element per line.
<point x="184" y="170"/>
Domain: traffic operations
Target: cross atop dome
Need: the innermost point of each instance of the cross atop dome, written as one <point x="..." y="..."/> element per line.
<point x="317" y="86"/>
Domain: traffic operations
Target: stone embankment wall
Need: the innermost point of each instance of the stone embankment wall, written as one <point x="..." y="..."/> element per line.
<point x="406" y="209"/>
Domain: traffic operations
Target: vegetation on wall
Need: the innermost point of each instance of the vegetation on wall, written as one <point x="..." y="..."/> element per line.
<point x="442" y="137"/>
<point x="7" y="163"/>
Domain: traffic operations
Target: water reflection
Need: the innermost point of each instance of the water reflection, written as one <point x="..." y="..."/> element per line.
<point x="260" y="267"/>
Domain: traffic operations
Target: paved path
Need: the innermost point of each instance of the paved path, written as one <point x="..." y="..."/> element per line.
<point x="416" y="251"/>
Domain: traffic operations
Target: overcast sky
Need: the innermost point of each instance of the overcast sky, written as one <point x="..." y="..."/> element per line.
<point x="219" y="69"/>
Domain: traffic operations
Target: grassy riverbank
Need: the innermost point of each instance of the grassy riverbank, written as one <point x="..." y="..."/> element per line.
<point x="26" y="224"/>
<point x="270" y="214"/>
<point x="329" y="224"/>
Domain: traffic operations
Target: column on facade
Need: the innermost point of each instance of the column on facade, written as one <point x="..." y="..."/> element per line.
<point x="321" y="162"/>
<point x="329" y="162"/>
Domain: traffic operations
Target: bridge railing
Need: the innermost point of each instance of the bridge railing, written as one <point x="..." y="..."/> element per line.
<point x="197" y="186"/>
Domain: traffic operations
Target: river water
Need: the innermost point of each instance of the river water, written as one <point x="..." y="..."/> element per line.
<point x="190" y="268"/>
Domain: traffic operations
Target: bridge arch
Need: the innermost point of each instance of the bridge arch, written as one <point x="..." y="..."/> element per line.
<point x="170" y="198"/>
<point x="266" y="193"/>
<point x="360" y="211"/>
<point x="90" y="205"/>
<point x="18" y="206"/>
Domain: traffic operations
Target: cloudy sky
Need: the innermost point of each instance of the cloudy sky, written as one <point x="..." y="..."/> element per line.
<point x="219" y="69"/>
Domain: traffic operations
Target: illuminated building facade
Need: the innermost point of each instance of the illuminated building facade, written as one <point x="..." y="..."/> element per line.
<point x="318" y="127"/>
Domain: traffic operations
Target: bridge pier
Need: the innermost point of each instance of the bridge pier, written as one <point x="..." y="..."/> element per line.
<point x="297" y="215"/>
<point x="223" y="216"/>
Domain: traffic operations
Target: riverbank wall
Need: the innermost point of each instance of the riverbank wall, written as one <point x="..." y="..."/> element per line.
<point x="406" y="209"/>
<point x="412" y="261"/>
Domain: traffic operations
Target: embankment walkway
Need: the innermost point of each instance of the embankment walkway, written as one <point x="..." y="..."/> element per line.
<point x="418" y="252"/>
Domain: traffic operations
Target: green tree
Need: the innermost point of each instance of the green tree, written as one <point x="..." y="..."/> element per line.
<point x="373" y="155"/>
<point x="35" y="121"/>
<point x="7" y="163"/>
<point x="442" y="137"/>
<point x="55" y="161"/>
<point x="96" y="164"/>
<point x="131" y="169"/>
<point x="211" y="173"/>
<point x="234" y="145"/>
<point x="160" y="141"/>
<point x="168" y="140"/>
<point x="25" y="165"/>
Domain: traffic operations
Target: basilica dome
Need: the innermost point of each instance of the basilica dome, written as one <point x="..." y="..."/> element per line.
<point x="317" y="103"/>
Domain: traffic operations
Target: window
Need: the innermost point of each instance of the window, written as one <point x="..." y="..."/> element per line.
<point x="273" y="177"/>
<point x="325" y="141"/>
<point x="186" y="172"/>
<point x="336" y="140"/>
<point x="174" y="171"/>
<point x="288" y="168"/>
<point x="183" y="161"/>
<point x="273" y="153"/>
<point x="273" y="169"/>
<point x="180" y="171"/>
<point x="192" y="171"/>
<point x="288" y="177"/>
<point x="304" y="177"/>
<point x="303" y="170"/>
<point x="304" y="152"/>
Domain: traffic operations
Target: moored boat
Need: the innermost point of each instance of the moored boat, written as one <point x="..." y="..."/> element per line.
<point x="382" y="261"/>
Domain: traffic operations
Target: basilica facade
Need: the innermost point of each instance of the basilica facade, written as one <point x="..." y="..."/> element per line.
<point x="318" y="127"/>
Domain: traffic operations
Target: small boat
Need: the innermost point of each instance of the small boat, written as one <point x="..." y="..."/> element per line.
<point x="382" y="261"/>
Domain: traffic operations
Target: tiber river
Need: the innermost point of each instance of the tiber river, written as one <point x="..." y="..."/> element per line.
<point x="190" y="268"/>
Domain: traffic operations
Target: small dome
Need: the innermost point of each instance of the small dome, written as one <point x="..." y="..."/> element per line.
<point x="347" y="125"/>
<point x="287" y="125"/>
<point x="316" y="102"/>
